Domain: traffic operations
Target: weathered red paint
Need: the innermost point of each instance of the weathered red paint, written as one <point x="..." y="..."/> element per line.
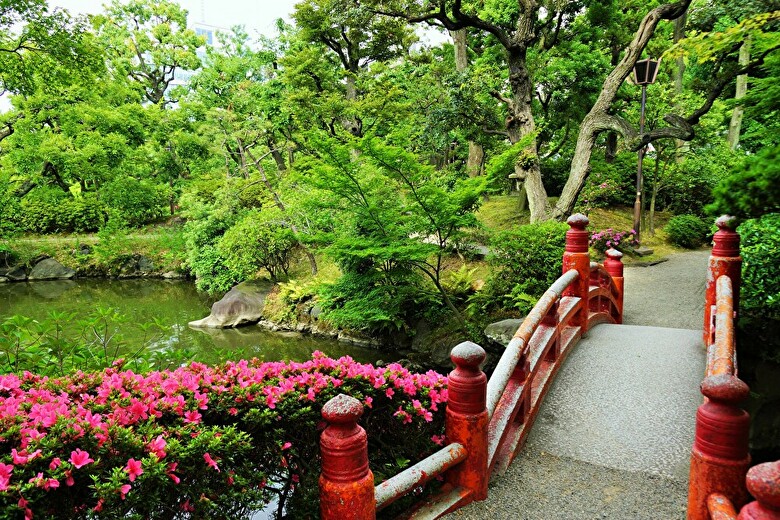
<point x="725" y="260"/>
<point x="346" y="483"/>
<point x="466" y="421"/>
<point x="720" y="458"/>
<point x="763" y="482"/>
<point x="720" y="507"/>
<point x="614" y="266"/>
<point x="576" y="257"/>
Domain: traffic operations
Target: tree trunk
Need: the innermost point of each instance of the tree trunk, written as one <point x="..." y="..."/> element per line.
<point x="474" y="162"/>
<point x="277" y="155"/>
<point x="519" y="125"/>
<point x="599" y="119"/>
<point x="611" y="150"/>
<point x="736" y="116"/>
<point x="476" y="159"/>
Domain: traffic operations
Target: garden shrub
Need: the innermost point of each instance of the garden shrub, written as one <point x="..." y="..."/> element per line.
<point x="526" y="261"/>
<point x="81" y="214"/>
<point x="137" y="202"/>
<point x="608" y="184"/>
<point x="760" y="291"/>
<point x="39" y="210"/>
<point x="207" y="263"/>
<point x="199" y="441"/>
<point x="687" y="231"/>
<point x="612" y="239"/>
<point x="260" y="240"/>
<point x="531" y="254"/>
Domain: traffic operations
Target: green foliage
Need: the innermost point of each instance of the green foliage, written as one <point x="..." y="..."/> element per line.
<point x="609" y="184"/>
<point x="136" y="202"/>
<point x="530" y="255"/>
<point x="54" y="347"/>
<point x="258" y="240"/>
<point x="688" y="186"/>
<point x="687" y="231"/>
<point x="81" y="214"/>
<point x="760" y="292"/>
<point x="373" y="301"/>
<point x="526" y="262"/>
<point x="751" y="190"/>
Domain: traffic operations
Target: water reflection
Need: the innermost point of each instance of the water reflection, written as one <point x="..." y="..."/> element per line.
<point x="174" y="303"/>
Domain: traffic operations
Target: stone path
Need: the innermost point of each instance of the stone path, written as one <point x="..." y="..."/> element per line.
<point x="613" y="436"/>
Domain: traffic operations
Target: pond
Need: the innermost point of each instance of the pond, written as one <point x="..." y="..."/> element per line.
<point x="174" y="303"/>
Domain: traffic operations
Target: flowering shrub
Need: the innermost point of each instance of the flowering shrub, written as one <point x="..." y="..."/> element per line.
<point x="199" y="441"/>
<point x="611" y="238"/>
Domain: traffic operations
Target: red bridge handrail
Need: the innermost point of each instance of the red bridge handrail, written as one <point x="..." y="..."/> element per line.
<point x="486" y="422"/>
<point x="719" y="479"/>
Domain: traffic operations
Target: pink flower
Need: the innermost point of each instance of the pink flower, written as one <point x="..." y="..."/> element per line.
<point x="286" y="445"/>
<point x="79" y="458"/>
<point x="192" y="416"/>
<point x="55" y="463"/>
<point x="157" y="446"/>
<point x="133" y="469"/>
<point x="368" y="401"/>
<point x="438" y="439"/>
<point x="124" y="490"/>
<point x="211" y="462"/>
<point x="170" y="472"/>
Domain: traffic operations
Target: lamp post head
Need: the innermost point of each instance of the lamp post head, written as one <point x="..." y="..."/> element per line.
<point x="645" y="71"/>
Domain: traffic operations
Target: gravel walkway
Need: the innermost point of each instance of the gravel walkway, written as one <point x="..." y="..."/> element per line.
<point x="545" y="483"/>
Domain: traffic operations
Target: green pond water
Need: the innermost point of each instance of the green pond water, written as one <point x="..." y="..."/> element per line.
<point x="174" y="303"/>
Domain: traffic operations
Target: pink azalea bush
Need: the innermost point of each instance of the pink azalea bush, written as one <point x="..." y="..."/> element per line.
<point x="198" y="441"/>
<point x="612" y="238"/>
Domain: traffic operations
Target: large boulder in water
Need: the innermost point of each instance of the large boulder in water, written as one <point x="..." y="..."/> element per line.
<point x="242" y="305"/>
<point x="50" y="269"/>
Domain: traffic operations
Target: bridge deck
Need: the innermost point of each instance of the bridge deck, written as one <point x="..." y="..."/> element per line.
<point x="614" y="434"/>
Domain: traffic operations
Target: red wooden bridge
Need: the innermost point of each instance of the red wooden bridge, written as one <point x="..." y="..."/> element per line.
<point x="487" y="422"/>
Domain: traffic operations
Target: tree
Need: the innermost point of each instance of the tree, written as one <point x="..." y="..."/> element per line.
<point x="390" y="215"/>
<point x="148" y="41"/>
<point x="600" y="118"/>
<point x="517" y="28"/>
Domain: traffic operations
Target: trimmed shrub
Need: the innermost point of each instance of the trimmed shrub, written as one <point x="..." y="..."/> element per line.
<point x="260" y="240"/>
<point x="687" y="231"/>
<point x="81" y="214"/>
<point x="137" y="202"/>
<point x="198" y="442"/>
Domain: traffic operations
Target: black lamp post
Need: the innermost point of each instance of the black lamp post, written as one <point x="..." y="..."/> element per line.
<point x="645" y="72"/>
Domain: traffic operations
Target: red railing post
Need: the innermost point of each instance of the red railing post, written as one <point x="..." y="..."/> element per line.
<point x="724" y="259"/>
<point x="466" y="421"/>
<point x="763" y="482"/>
<point x="346" y="483"/>
<point x="576" y="256"/>
<point x="720" y="458"/>
<point x="614" y="266"/>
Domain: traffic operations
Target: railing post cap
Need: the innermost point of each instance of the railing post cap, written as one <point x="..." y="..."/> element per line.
<point x="763" y="482"/>
<point x="726" y="223"/>
<point x="578" y="221"/>
<point x="725" y="388"/>
<point x="468" y="355"/>
<point x="614" y="254"/>
<point x="342" y="409"/>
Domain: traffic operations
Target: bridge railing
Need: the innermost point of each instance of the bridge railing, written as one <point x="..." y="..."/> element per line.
<point x="719" y="478"/>
<point x="486" y="422"/>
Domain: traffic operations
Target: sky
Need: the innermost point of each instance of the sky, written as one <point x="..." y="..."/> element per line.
<point x="255" y="15"/>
